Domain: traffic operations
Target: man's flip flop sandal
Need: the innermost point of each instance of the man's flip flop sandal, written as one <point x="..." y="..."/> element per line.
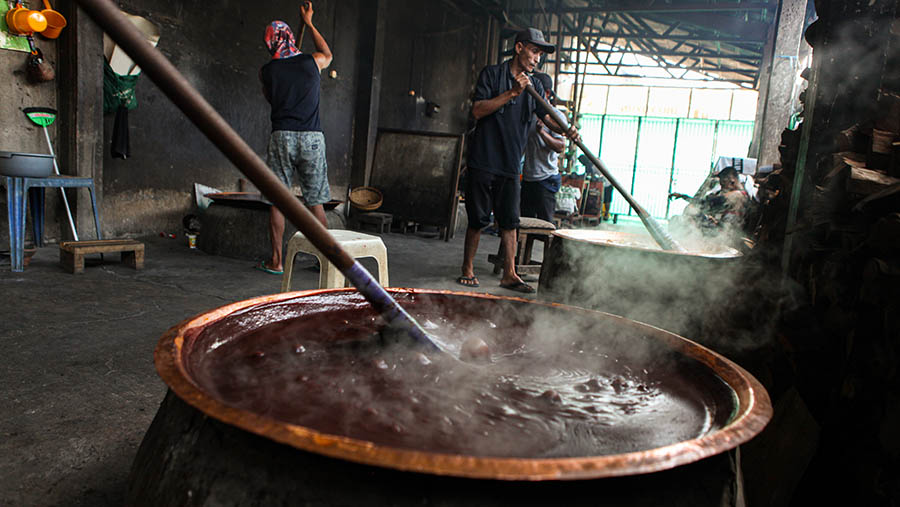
<point x="262" y="267"/>
<point x="519" y="287"/>
<point x="467" y="281"/>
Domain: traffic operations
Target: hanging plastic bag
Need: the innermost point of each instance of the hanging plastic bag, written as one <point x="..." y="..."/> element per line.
<point x="119" y="96"/>
<point x="120" y="77"/>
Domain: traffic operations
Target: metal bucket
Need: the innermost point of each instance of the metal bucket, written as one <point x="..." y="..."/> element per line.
<point x="29" y="165"/>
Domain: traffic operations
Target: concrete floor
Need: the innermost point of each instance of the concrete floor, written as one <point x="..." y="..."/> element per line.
<point x="78" y="387"/>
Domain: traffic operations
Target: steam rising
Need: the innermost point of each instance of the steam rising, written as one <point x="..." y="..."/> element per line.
<point x="713" y="295"/>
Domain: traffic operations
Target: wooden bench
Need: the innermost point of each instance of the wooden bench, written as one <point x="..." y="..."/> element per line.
<point x="71" y="253"/>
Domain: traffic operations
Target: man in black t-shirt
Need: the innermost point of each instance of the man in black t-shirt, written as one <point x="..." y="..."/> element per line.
<point x="290" y="83"/>
<point x="504" y="113"/>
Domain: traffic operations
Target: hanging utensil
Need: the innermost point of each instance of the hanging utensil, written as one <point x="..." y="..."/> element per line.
<point x="24" y="21"/>
<point x="11" y="16"/>
<point x="55" y="21"/>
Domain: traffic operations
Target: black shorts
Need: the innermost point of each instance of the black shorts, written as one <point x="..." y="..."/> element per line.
<point x="537" y="201"/>
<point x="486" y="192"/>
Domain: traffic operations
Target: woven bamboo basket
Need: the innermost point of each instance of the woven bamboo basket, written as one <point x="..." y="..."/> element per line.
<point x="366" y="198"/>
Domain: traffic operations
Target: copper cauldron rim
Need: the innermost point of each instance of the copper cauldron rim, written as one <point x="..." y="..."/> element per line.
<point x="753" y="413"/>
<point x="726" y="253"/>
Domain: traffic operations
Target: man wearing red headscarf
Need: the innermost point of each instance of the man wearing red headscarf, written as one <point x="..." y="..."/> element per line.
<point x="290" y="82"/>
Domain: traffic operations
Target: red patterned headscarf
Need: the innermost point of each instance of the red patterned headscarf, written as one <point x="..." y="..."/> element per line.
<point x="280" y="40"/>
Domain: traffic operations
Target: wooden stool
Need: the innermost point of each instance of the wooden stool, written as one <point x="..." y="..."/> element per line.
<point x="530" y="230"/>
<point x="379" y="220"/>
<point x="71" y="253"/>
<point x="407" y="226"/>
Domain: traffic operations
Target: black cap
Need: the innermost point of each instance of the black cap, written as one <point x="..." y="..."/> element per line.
<point x="546" y="81"/>
<point x="534" y="36"/>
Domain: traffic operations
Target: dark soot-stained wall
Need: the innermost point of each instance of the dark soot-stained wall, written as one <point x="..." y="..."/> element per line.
<point x="219" y="48"/>
<point x="17" y="133"/>
<point x="429" y="49"/>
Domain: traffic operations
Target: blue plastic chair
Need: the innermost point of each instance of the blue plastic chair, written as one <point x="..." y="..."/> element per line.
<point x="16" y="189"/>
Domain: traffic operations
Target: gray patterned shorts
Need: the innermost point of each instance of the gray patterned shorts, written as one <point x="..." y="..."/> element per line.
<point x="302" y="153"/>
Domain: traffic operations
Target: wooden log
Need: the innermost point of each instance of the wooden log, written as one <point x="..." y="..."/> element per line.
<point x="889" y="117"/>
<point x="866" y="182"/>
<point x="884" y="237"/>
<point x="846" y="140"/>
<point x="850" y="158"/>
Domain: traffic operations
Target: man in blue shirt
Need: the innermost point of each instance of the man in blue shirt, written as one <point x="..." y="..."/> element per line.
<point x="504" y="113"/>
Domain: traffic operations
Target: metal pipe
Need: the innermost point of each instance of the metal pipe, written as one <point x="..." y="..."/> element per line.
<point x="637" y="151"/>
<point x="656" y="231"/>
<point x="558" y="62"/>
<point x="667" y="38"/>
<point x="201" y="113"/>
<point x="809" y="108"/>
<point x="662" y="8"/>
<point x="672" y="169"/>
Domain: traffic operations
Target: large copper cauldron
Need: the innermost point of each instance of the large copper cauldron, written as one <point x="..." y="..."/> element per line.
<point x="734" y="406"/>
<point x="628" y="274"/>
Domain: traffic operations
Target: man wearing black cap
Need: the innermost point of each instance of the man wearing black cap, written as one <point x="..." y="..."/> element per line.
<point x="504" y="113"/>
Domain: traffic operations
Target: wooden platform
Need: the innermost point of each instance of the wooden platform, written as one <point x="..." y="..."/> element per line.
<point x="71" y="253"/>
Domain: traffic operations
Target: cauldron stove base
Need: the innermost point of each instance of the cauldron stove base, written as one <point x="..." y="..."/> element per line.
<point x="202" y="451"/>
<point x="240" y="230"/>
<point x="627" y="274"/>
<point x="188" y="458"/>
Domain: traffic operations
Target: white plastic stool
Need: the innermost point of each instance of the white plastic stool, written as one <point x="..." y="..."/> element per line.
<point x="355" y="243"/>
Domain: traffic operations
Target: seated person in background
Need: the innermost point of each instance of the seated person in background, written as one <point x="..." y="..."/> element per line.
<point x="723" y="210"/>
<point x="567" y="200"/>
<point x="728" y="206"/>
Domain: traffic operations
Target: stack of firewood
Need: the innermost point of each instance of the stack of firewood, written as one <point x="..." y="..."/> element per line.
<point x="845" y="353"/>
